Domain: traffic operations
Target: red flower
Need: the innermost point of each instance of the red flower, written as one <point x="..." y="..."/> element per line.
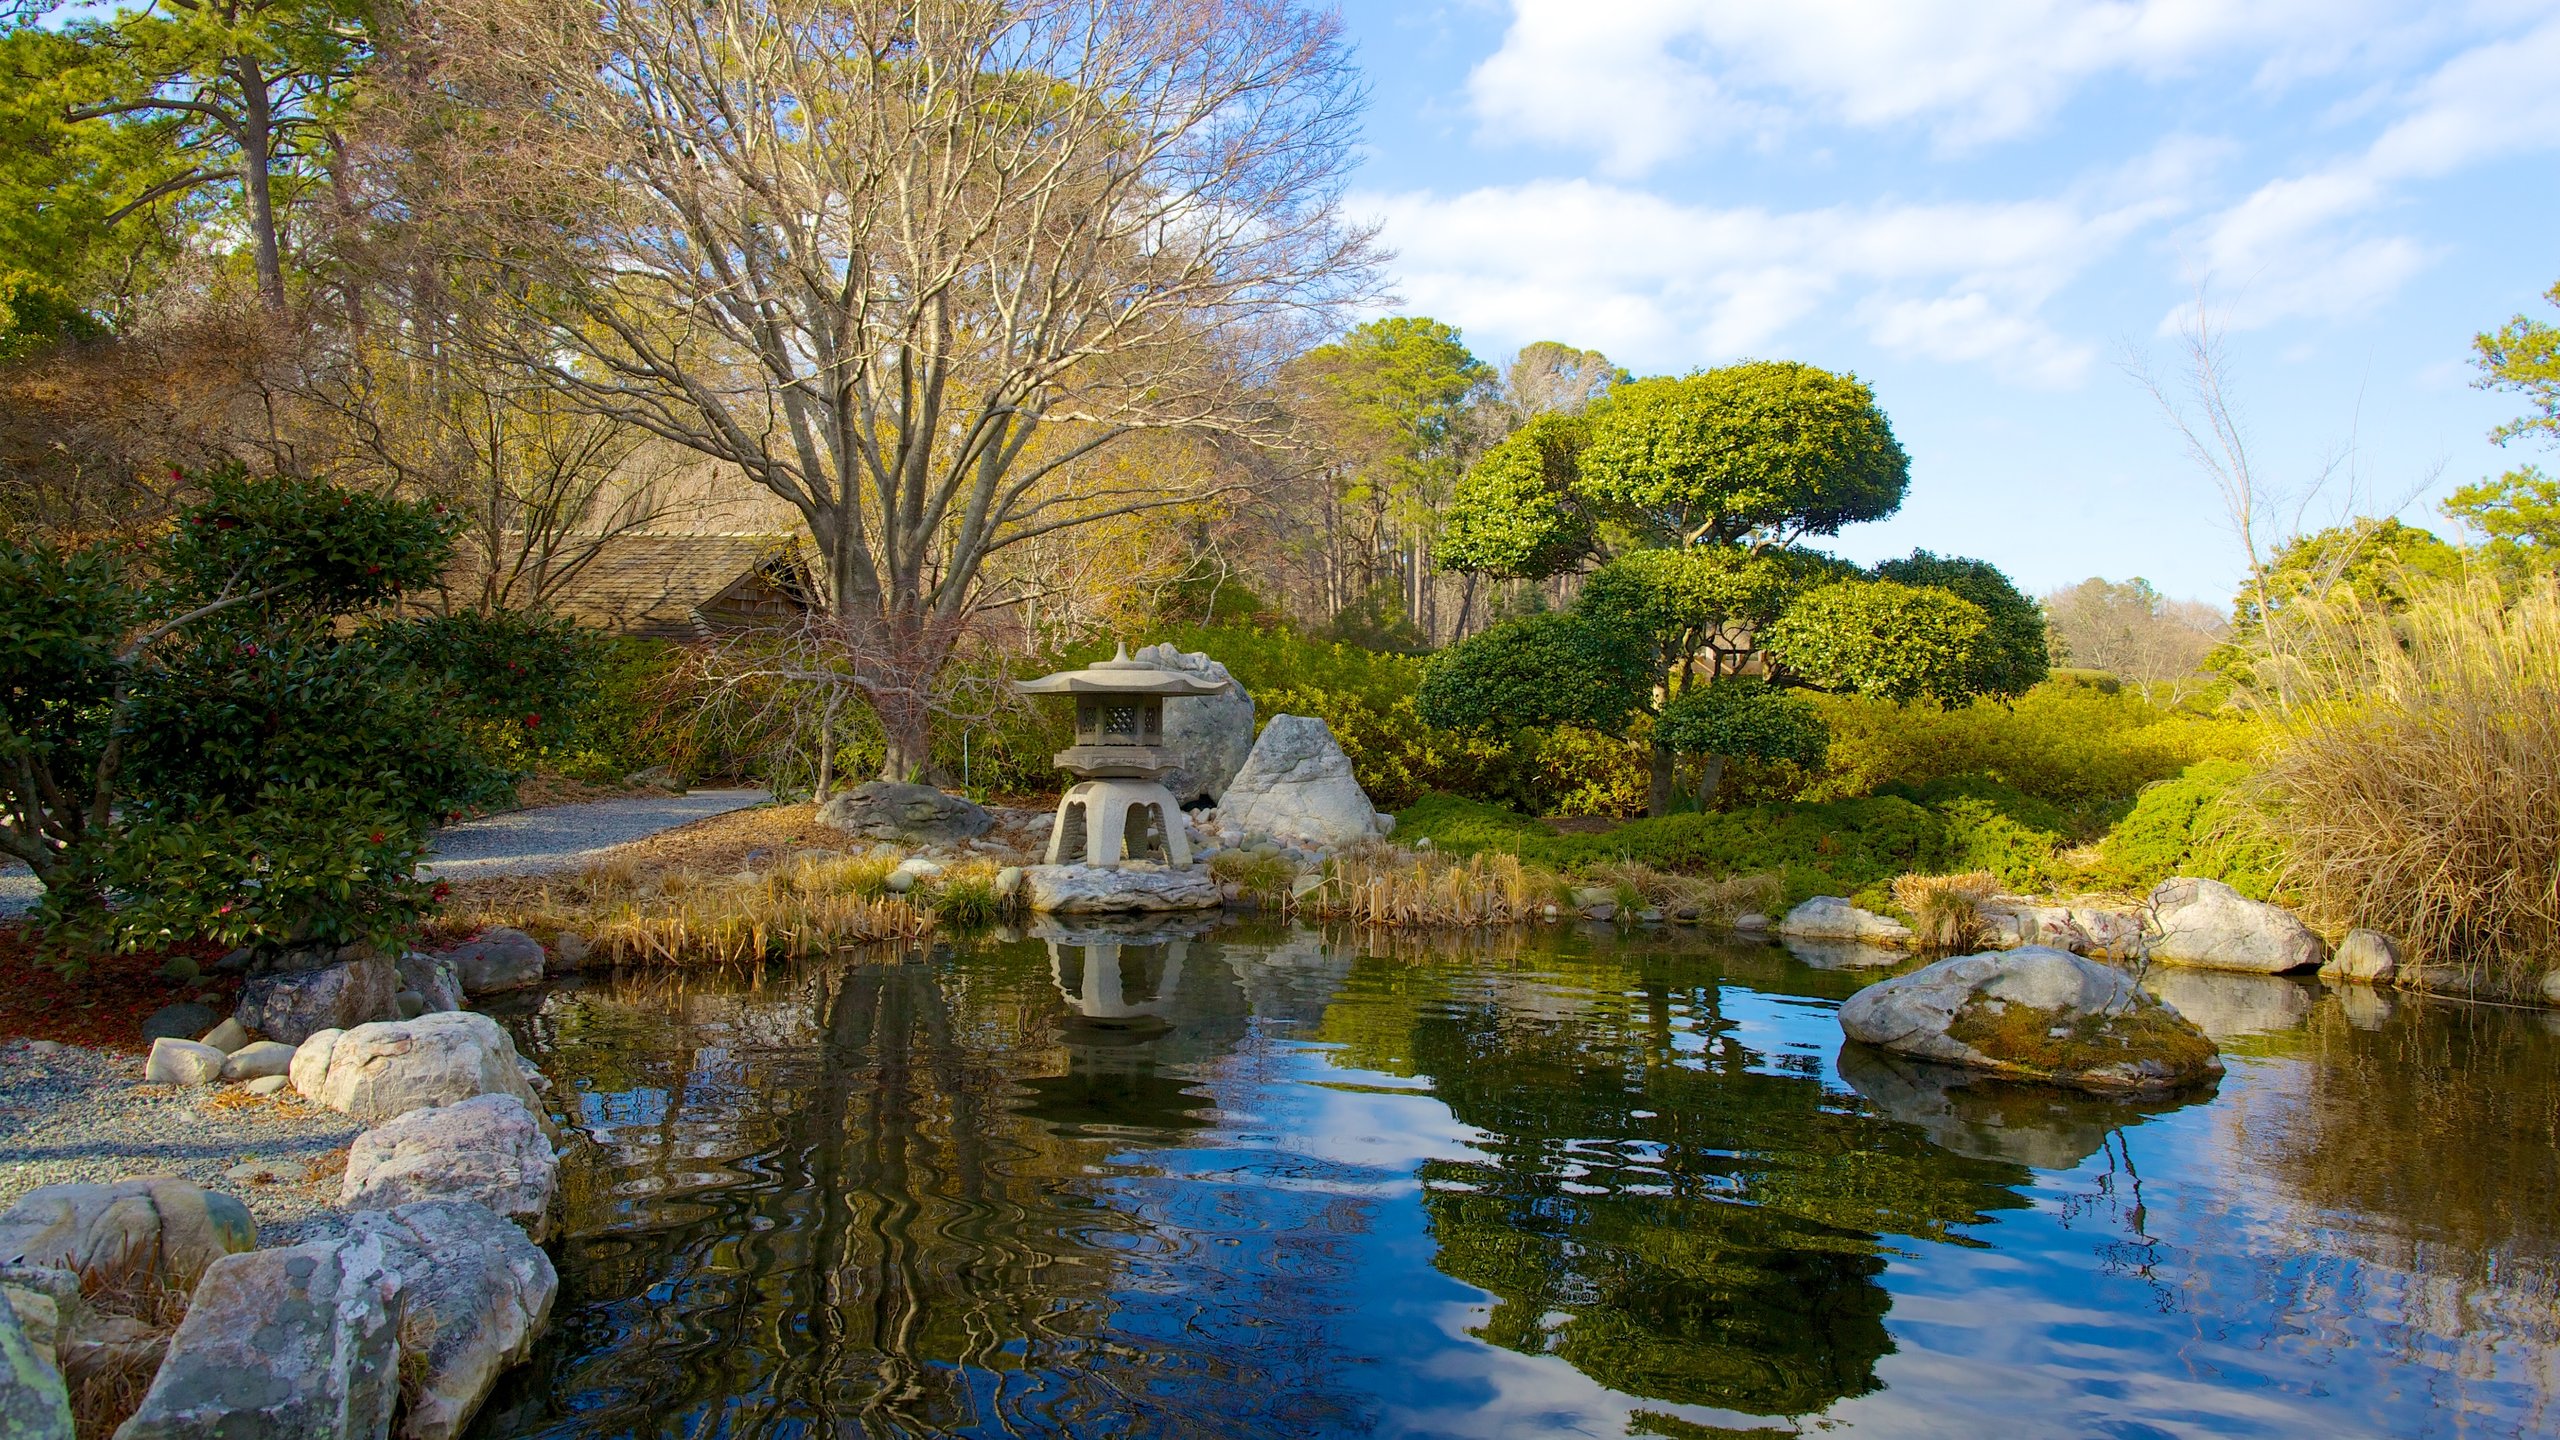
<point x="377" y="837"/>
<point x="533" y="720"/>
<point x="442" y="890"/>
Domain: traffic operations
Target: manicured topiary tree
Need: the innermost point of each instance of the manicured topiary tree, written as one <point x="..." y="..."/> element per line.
<point x="1742" y="717"/>
<point x="1874" y="637"/>
<point x="2012" y="656"/>
<point x="1534" y="673"/>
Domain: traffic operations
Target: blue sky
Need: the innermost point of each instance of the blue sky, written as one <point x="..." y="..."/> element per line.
<point x="1984" y="208"/>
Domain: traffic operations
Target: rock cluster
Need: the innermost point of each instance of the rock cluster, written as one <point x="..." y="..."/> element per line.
<point x="1828" y="917"/>
<point x="2034" y="1013"/>
<point x="292" y="1005"/>
<point x="385" y="1070"/>
<point x="1132" y="888"/>
<point x="488" y="1150"/>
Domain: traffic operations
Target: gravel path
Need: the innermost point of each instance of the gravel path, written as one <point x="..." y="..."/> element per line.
<point x="520" y="842"/>
<point x="70" y="1114"/>
<point x="563" y="837"/>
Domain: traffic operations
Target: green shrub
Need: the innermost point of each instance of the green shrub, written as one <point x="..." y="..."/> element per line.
<point x="301" y="866"/>
<point x="517" y="683"/>
<point x="2187" y="826"/>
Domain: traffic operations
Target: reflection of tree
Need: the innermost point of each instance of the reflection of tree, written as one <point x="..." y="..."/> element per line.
<point x="1678" y="1216"/>
<point x="2421" y="1143"/>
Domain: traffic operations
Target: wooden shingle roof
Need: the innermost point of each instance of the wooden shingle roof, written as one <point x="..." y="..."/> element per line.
<point x="672" y="586"/>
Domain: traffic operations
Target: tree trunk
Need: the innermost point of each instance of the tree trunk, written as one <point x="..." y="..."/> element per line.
<point x="1658" y="796"/>
<point x="256" y="140"/>
<point x="1710" y="780"/>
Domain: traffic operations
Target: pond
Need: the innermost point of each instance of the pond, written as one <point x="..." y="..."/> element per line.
<point x="1293" y="1184"/>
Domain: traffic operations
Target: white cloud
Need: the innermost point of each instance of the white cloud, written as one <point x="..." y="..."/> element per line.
<point x="2293" y="247"/>
<point x="1662" y="285"/>
<point x="1640" y="81"/>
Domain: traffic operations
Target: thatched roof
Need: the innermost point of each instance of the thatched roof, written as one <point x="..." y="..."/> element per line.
<point x="671" y="586"/>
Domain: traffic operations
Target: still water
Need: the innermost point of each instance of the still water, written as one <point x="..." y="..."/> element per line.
<point x="1294" y="1184"/>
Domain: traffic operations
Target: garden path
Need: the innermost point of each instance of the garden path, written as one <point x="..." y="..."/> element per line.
<point x="518" y="842"/>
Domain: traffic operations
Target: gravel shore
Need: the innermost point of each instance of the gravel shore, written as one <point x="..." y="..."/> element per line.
<point x="71" y="1114"/>
<point x="563" y="837"/>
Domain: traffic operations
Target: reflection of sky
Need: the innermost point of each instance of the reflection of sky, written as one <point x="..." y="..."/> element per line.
<point x="1275" y="1267"/>
<point x="2068" y="1323"/>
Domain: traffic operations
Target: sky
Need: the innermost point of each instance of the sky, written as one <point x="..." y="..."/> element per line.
<point x="1998" y="213"/>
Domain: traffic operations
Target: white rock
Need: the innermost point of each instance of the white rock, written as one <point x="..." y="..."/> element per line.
<point x="1911" y="1015"/>
<point x="228" y="1036"/>
<point x="2080" y="929"/>
<point x="383" y="1071"/>
<point x="182" y="1062"/>
<point x="2207" y="923"/>
<point x="311" y="1063"/>
<point x="1209" y="736"/>
<point x="259" y="1060"/>
<point x="297" y="1342"/>
<point x="1093" y="889"/>
<point x="2364" y="957"/>
<point x="474" y="1296"/>
<point x="488" y="1150"/>
<point x="1297" y="786"/>
<point x="1828" y="917"/>
<point x="268" y="1085"/>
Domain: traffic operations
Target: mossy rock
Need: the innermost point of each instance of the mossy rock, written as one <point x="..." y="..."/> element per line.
<point x="2035" y="1013"/>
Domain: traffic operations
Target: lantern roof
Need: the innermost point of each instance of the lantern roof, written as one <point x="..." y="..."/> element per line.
<point x="1120" y="675"/>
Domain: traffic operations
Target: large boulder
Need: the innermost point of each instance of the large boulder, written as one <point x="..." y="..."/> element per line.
<point x="293" y="1005"/>
<point x="474" y="1295"/>
<point x="917" y="814"/>
<point x="2209" y="924"/>
<point x="299" y="1343"/>
<point x="127" y="1232"/>
<point x="1828" y="917"/>
<point x="34" y="1405"/>
<point x="383" y="1071"/>
<point x="46" y="1301"/>
<point x="1208" y="736"/>
<point x="1097" y="890"/>
<point x="491" y="962"/>
<point x="1297" y="786"/>
<point x="433" y="979"/>
<point x="488" y="1150"/>
<point x="2035" y="1014"/>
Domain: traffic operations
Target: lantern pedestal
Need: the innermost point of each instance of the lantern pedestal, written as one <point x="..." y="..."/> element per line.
<point x="1106" y="820"/>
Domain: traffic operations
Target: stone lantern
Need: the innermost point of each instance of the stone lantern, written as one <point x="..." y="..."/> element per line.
<point x="1119" y="762"/>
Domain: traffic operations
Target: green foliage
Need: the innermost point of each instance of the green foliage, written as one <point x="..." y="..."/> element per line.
<point x="1830" y="848"/>
<point x="1881" y="638"/>
<point x="1744" y="717"/>
<point x="2524" y="356"/>
<point x="226" y="718"/>
<point x="2518" y="514"/>
<point x="1376" y="620"/>
<point x="2012" y="658"/>
<point x="2185" y="827"/>
<point x="517" y="683"/>
<point x="36" y="313"/>
<point x="1514" y="513"/>
<point x="78" y="228"/>
<point x="2367" y="562"/>
<point x="1535" y="672"/>
<point x="1764" y="447"/>
<point x="2081" y="751"/>
<point x="181" y="711"/>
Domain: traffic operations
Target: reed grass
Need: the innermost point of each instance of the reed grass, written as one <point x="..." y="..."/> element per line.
<point x="967" y="898"/>
<point x="1946" y="910"/>
<point x="1641" y="886"/>
<point x="634" y="912"/>
<point x="107" y="1384"/>
<point x="1388" y="885"/>
<point x="2415" y="789"/>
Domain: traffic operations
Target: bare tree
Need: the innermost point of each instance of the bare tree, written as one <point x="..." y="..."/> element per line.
<point x="906" y="264"/>
<point x="2132" y="631"/>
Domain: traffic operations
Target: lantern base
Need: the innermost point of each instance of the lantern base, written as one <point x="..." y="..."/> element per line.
<point x="1096" y="817"/>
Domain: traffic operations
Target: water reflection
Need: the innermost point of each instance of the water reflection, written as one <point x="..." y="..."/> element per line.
<point x="1173" y="1181"/>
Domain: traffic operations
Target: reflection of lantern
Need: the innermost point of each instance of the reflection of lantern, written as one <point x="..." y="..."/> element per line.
<point x="1119" y="809"/>
<point x="1117" y="987"/>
